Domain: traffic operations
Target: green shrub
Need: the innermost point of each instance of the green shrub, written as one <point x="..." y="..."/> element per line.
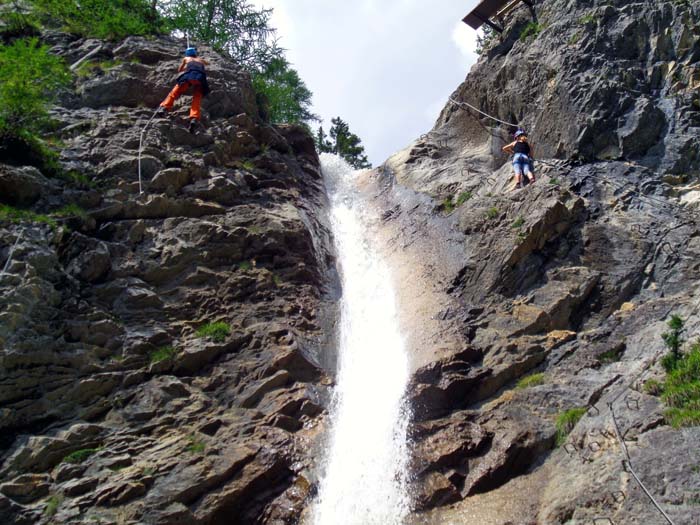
<point x="18" y="24"/>
<point x="161" y="354"/>
<point x="463" y="197"/>
<point x="245" y="265"/>
<point x="217" y="332"/>
<point x="80" y="455"/>
<point x="107" y="19"/>
<point x="566" y="421"/>
<point x="71" y="210"/>
<point x="681" y="390"/>
<point x="492" y="213"/>
<point x="554" y="181"/>
<point x="248" y="165"/>
<point x="447" y="205"/>
<point x="531" y="29"/>
<point x="17" y="215"/>
<point x="586" y="19"/>
<point x="530" y="381"/>
<point x="31" y="79"/>
<point x="653" y="387"/>
<point x="196" y="446"/>
<point x="673" y="339"/>
<point x="52" y="505"/>
<point x="518" y="223"/>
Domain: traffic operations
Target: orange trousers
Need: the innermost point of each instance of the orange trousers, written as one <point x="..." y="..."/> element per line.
<point x="180" y="89"/>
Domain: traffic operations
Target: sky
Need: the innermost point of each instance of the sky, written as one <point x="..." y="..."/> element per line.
<point x="386" y="67"/>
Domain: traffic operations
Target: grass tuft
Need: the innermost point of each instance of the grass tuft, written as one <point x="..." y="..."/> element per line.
<point x="530" y="381"/>
<point x="531" y="29"/>
<point x="196" y="446"/>
<point x="463" y="197"/>
<point x="52" y="505"/>
<point x="217" y="332"/>
<point x="492" y="213"/>
<point x="566" y="421"/>
<point x="681" y="390"/>
<point x="80" y="455"/>
<point x="161" y="354"/>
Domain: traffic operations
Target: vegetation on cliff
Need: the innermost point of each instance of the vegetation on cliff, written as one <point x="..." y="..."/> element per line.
<point x="343" y="143"/>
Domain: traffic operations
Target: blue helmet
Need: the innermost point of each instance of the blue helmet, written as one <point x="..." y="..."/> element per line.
<point x="520" y="133"/>
<point x="191" y="52"/>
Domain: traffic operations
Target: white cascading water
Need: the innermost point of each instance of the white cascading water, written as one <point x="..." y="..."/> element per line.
<point x="366" y="467"/>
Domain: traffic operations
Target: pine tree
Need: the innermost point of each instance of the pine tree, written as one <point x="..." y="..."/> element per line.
<point x="287" y="97"/>
<point x="347" y="144"/>
<point x="323" y="145"/>
<point x="234" y="26"/>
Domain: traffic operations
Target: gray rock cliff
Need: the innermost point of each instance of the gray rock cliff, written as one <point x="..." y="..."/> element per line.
<point x="114" y="408"/>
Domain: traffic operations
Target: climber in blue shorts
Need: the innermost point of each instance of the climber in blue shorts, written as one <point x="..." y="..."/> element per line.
<point x="523" y="154"/>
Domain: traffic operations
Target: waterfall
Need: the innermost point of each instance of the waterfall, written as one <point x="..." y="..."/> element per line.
<point x="365" y="480"/>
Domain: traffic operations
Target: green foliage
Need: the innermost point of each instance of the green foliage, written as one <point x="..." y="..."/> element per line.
<point x="343" y="143"/>
<point x="17" y="22"/>
<point x="17" y="215"/>
<point x="681" y="390"/>
<point x="31" y="79"/>
<point x="71" y="210"/>
<point x="447" y="205"/>
<point x="653" y="387"/>
<point x="554" y="181"/>
<point x="107" y="19"/>
<point x="485" y="39"/>
<point x="586" y="19"/>
<point x="518" y="223"/>
<point x="195" y="446"/>
<point x="162" y="354"/>
<point x="531" y="29"/>
<point x="530" y="381"/>
<point x="52" y="505"/>
<point x="248" y="165"/>
<point x="217" y="332"/>
<point x="673" y="338"/>
<point x="244" y="266"/>
<point x="492" y="212"/>
<point x="277" y="280"/>
<point x="566" y="421"/>
<point x="234" y="26"/>
<point x="573" y="40"/>
<point x="80" y="455"/>
<point x="463" y="197"/>
<point x="285" y="95"/>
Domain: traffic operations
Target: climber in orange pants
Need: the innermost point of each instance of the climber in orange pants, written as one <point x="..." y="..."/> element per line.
<point x="193" y="76"/>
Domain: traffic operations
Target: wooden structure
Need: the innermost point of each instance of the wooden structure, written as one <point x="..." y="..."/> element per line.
<point x="492" y="13"/>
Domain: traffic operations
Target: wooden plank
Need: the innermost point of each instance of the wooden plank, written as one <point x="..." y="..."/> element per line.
<point x="487" y="9"/>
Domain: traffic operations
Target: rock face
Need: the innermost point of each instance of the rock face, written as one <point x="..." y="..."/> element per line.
<point x="114" y="408"/>
<point x="572" y="278"/>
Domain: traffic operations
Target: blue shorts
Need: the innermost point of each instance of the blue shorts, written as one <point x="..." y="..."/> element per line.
<point x="521" y="164"/>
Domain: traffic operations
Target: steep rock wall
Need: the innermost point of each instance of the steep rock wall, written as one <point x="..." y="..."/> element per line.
<point x="114" y="409"/>
<point x="572" y="278"/>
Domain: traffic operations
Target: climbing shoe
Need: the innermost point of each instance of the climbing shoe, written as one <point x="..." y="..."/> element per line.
<point x="193" y="126"/>
<point x="161" y="112"/>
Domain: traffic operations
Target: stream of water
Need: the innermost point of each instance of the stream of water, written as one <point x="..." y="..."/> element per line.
<point x="366" y="466"/>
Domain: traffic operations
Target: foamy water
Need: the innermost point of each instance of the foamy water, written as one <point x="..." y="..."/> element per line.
<point x="365" y="475"/>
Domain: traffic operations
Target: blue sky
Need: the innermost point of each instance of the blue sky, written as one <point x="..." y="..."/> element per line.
<point x="385" y="66"/>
